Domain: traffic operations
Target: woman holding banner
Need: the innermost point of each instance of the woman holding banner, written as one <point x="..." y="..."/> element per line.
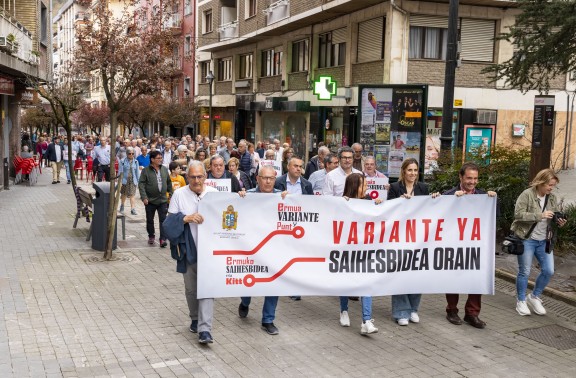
<point x="405" y="306"/>
<point x="536" y="210"/>
<point x="355" y="187"/>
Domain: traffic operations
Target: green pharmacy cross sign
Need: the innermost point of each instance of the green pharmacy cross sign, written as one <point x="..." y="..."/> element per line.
<point x="325" y="88"/>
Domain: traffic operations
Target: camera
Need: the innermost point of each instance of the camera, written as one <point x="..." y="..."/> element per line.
<point x="559" y="215"/>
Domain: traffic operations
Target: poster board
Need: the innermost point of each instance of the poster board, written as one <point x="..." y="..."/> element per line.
<point x="392" y="124"/>
<point x="478" y="140"/>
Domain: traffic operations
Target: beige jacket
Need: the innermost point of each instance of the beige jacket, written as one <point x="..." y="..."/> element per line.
<point x="528" y="211"/>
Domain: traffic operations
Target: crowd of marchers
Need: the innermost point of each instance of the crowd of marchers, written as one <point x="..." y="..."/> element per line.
<point x="170" y="176"/>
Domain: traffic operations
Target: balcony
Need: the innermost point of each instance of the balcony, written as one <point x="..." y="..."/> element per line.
<point x="229" y="30"/>
<point x="174" y="23"/>
<point x="277" y="11"/>
<point x="16" y="41"/>
<point x="175" y="65"/>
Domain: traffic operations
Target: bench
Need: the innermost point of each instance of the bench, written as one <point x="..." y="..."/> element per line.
<point x="84" y="207"/>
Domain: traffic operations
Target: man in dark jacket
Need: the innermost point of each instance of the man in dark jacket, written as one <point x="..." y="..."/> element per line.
<point x="154" y="185"/>
<point x="468" y="180"/>
<point x="292" y="181"/>
<point x="217" y="172"/>
<point x="55" y="154"/>
<point x="316" y="162"/>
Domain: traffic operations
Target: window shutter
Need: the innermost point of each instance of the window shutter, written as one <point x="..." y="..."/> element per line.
<point x="429" y="21"/>
<point x="370" y="39"/>
<point x="339" y="36"/>
<point x="476" y="38"/>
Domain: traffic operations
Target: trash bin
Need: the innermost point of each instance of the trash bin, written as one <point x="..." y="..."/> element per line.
<point x="100" y="217"/>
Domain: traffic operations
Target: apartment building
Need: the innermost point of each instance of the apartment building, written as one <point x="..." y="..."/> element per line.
<point x="70" y="15"/>
<point x="25" y="51"/>
<point x="266" y="56"/>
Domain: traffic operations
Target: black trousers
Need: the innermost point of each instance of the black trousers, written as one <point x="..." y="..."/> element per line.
<point x="103" y="172"/>
<point x="151" y="209"/>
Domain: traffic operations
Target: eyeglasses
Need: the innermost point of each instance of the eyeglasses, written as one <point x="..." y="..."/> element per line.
<point x="346" y="157"/>
<point x="192" y="178"/>
<point x="130" y="153"/>
<point x="268" y="178"/>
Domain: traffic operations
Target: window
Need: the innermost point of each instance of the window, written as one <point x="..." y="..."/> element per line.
<point x="476" y="38"/>
<point x="300" y="56"/>
<point x="175" y="91"/>
<point x="371" y="40"/>
<point x="187" y="7"/>
<point x="250" y="8"/>
<point x="224" y="69"/>
<point x="332" y="49"/>
<point x="207" y="25"/>
<point x="187" y="45"/>
<point x="187" y="87"/>
<point x="271" y="63"/>
<point x="44" y="22"/>
<point x="245" y="71"/>
<point x="204" y="69"/>
<point x="428" y="43"/>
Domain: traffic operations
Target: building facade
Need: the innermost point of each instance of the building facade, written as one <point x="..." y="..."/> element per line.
<point x="266" y="56"/>
<point x="25" y="52"/>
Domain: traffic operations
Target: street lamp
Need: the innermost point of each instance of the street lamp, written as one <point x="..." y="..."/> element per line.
<point x="210" y="80"/>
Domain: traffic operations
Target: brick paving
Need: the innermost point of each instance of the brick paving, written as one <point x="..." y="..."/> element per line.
<point x="62" y="314"/>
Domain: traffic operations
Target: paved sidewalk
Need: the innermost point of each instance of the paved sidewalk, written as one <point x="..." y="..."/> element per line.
<point x="566" y="189"/>
<point x="63" y="313"/>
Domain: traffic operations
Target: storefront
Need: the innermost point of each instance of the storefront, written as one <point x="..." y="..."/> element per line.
<point x="223" y="120"/>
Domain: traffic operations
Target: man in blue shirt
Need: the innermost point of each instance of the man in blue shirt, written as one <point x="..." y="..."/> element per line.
<point x="143" y="158"/>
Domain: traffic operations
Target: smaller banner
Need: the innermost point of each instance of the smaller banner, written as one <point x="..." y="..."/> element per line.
<point x="222" y="185"/>
<point x="377" y="187"/>
<point x="277" y="164"/>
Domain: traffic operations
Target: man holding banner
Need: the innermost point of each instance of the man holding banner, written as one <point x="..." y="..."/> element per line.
<point x="468" y="180"/>
<point x="266" y="178"/>
<point x="184" y="203"/>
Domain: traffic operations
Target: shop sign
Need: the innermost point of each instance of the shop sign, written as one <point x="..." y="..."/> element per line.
<point x="6" y="86"/>
<point x="325" y="88"/>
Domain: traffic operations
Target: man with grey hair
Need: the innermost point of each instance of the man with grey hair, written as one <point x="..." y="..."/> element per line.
<point x="370" y="170"/>
<point x="317" y="178"/>
<point x="225" y="152"/>
<point x="184" y="204"/>
<point x="25" y="154"/>
<point x="317" y="162"/>
<point x="358" y="160"/>
<point x="221" y="144"/>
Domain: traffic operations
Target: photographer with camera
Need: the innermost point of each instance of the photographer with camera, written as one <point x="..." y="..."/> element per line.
<point x="536" y="212"/>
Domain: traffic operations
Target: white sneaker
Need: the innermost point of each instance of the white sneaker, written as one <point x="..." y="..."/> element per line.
<point x="344" y="319"/>
<point x="402" y="322"/>
<point x="414" y="318"/>
<point x="522" y="308"/>
<point x="368" y="327"/>
<point x="536" y="304"/>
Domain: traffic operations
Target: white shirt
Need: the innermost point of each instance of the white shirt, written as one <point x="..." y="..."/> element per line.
<point x="58" y="150"/>
<point x="334" y="182"/>
<point x="166" y="157"/>
<point x="102" y="154"/>
<point x="185" y="201"/>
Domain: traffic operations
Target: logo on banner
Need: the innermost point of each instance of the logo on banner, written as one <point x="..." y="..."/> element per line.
<point x="229" y="218"/>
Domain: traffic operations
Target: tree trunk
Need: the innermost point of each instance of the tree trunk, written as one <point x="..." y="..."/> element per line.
<point x="113" y="205"/>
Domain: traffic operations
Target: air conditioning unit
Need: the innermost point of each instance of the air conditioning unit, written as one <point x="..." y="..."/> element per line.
<point x="571" y="75"/>
<point x="3" y="42"/>
<point x="485" y="117"/>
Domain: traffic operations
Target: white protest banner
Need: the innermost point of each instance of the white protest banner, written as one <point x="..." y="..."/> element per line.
<point x="322" y="245"/>
<point x="274" y="163"/>
<point x="222" y="185"/>
<point x="376" y="187"/>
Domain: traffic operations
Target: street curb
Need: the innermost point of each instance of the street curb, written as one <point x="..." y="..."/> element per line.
<point x="553" y="293"/>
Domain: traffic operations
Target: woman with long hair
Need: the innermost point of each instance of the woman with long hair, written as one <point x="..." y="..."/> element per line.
<point x="200" y="154"/>
<point x="355" y="188"/>
<point x="405" y="306"/>
<point x="537" y="210"/>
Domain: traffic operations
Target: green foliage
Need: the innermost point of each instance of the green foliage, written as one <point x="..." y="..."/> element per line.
<point x="567" y="235"/>
<point x="507" y="175"/>
<point x="545" y="42"/>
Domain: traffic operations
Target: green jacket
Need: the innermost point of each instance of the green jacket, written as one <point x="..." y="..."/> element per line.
<point x="528" y="211"/>
<point x="148" y="185"/>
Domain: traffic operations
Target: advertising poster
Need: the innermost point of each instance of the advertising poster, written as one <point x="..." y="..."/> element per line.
<point x="478" y="141"/>
<point x="324" y="245"/>
<point x="392" y="124"/>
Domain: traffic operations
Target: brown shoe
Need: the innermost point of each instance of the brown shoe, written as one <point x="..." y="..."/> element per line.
<point x="474" y="321"/>
<point x="454" y="318"/>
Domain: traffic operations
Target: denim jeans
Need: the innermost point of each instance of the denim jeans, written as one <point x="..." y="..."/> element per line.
<point x="405" y="304"/>
<point x="67" y="170"/>
<point x="268" y="310"/>
<point x="366" y="306"/>
<point x="546" y="260"/>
